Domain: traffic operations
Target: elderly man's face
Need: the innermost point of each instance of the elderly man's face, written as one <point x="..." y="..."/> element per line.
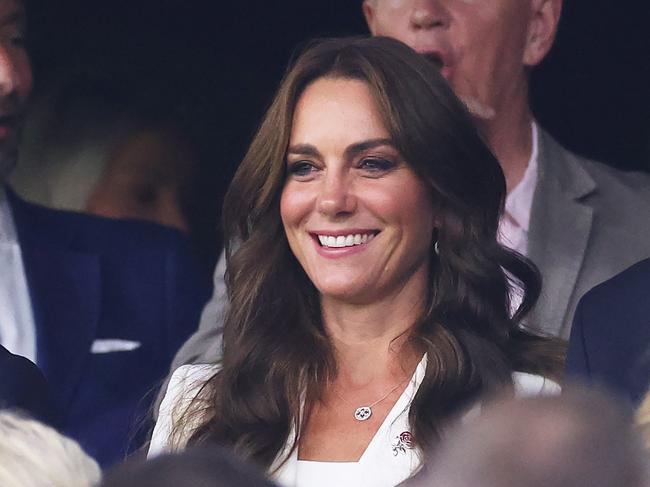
<point x="15" y="80"/>
<point x="483" y="46"/>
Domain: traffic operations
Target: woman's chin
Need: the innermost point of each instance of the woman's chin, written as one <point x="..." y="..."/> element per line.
<point x="345" y="291"/>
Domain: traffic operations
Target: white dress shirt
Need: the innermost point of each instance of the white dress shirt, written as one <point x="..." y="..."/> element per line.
<point x="515" y="222"/>
<point x="17" y="329"/>
<point x="388" y="460"/>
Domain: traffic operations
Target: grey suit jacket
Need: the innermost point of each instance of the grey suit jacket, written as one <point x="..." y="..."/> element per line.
<point x="588" y="223"/>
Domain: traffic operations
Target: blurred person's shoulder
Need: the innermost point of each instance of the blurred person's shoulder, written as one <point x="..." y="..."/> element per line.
<point x="527" y="385"/>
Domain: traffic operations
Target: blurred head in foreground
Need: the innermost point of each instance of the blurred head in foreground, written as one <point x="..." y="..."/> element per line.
<point x="35" y="455"/>
<point x="582" y="438"/>
<point x="196" y="467"/>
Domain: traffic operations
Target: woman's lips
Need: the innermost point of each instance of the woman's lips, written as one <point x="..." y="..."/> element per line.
<point x="340" y="244"/>
<point x="347" y="240"/>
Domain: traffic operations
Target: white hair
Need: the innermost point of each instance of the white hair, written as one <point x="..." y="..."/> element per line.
<point x="35" y="455"/>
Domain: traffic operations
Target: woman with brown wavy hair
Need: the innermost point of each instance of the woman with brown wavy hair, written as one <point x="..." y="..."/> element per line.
<point x="369" y="295"/>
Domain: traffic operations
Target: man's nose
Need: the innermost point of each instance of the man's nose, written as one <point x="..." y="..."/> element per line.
<point x="336" y="197"/>
<point x="429" y="14"/>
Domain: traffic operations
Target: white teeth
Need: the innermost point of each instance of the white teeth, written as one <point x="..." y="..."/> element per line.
<point x="345" y="240"/>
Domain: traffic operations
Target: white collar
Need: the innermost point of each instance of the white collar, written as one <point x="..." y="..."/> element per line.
<point x="519" y="201"/>
<point x="7" y="227"/>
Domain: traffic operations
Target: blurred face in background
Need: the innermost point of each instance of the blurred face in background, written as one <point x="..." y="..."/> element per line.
<point x="483" y="47"/>
<point x="15" y="80"/>
<point x="146" y="178"/>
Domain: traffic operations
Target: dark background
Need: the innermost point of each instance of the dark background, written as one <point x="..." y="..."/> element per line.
<point x="215" y="64"/>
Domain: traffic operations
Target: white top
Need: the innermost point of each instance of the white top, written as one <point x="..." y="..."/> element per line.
<point x="17" y="329"/>
<point x="387" y="461"/>
<point x="327" y="474"/>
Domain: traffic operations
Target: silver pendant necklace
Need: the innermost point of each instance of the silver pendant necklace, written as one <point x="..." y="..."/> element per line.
<point x="364" y="413"/>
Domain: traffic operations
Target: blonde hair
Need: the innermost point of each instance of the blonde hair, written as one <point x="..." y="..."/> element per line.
<point x="35" y="455"/>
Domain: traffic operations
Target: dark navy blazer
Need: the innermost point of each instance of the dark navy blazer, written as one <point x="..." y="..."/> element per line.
<point x="23" y="388"/>
<point x="93" y="278"/>
<point x="610" y="338"/>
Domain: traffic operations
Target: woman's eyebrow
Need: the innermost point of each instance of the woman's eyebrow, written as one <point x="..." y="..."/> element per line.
<point x="350" y="151"/>
<point x="303" y="150"/>
<point x="365" y="145"/>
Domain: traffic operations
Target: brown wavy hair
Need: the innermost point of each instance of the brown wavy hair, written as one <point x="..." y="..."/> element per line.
<point x="277" y="354"/>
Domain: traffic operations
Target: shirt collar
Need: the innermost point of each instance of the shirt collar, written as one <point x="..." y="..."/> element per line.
<point x="7" y="227"/>
<point x="519" y="201"/>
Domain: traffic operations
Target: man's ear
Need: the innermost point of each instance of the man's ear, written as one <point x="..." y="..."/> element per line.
<point x="368" y="7"/>
<point x="542" y="27"/>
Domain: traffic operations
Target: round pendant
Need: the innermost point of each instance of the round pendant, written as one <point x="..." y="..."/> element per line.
<point x="362" y="413"/>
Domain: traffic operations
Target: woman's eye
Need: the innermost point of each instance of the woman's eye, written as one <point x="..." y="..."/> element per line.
<point x="376" y="165"/>
<point x="301" y="169"/>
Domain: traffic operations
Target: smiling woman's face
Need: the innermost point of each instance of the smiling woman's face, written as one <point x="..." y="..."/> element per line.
<point x="357" y="218"/>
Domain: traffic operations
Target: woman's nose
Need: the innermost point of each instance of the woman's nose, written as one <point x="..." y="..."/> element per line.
<point x="336" y="197"/>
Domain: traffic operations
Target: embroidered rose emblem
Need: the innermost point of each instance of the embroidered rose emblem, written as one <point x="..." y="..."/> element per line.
<point x="407" y="439"/>
<point x="402" y="442"/>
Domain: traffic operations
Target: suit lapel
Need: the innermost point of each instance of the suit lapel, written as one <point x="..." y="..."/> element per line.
<point x="64" y="286"/>
<point x="559" y="232"/>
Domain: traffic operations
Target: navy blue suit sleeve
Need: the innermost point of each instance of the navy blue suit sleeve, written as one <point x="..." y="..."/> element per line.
<point x="188" y="289"/>
<point x="610" y="339"/>
<point x="23" y="387"/>
<point x="577" y="364"/>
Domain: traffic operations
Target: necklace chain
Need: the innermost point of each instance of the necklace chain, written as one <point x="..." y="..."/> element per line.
<point x="363" y="413"/>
